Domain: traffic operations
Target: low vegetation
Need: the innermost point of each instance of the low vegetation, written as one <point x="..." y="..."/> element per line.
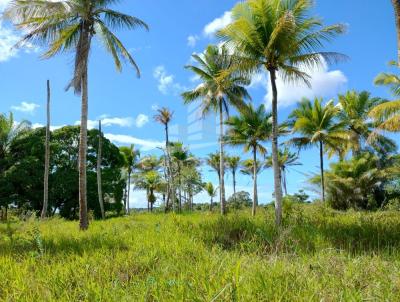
<point x="318" y="254"/>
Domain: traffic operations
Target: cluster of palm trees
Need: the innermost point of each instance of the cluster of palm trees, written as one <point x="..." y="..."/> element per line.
<point x="275" y="37"/>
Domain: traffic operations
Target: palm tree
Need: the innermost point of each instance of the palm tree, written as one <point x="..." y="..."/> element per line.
<point x="71" y="25"/>
<point x="151" y="182"/>
<point x="387" y="114"/>
<point x="318" y="124"/>
<point x="164" y="117"/>
<point x="131" y="156"/>
<point x="250" y="129"/>
<point x="286" y="159"/>
<point x="9" y="131"/>
<point x="355" y="108"/>
<point x="46" y="157"/>
<point x="220" y="89"/>
<point x="396" y="6"/>
<point x="279" y="37"/>
<point x="213" y="160"/>
<point x="211" y="191"/>
<point x="232" y="163"/>
<point x="99" y="181"/>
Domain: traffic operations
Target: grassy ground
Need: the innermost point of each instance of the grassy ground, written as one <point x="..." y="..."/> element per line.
<point x="319" y="255"/>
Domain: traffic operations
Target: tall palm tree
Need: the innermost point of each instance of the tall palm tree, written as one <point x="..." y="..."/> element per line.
<point x="151" y="182"/>
<point x="70" y="25"/>
<point x="388" y="114"/>
<point x="213" y="160"/>
<point x="318" y="124"/>
<point x="164" y="117"/>
<point x="221" y="88"/>
<point x="355" y="108"/>
<point x="286" y="159"/>
<point x="396" y="6"/>
<point x="279" y="36"/>
<point x="131" y="156"/>
<point x="250" y="129"/>
<point x="233" y="163"/>
<point x="211" y="191"/>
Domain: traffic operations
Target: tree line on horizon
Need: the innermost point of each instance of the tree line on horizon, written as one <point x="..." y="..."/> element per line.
<point x="274" y="37"/>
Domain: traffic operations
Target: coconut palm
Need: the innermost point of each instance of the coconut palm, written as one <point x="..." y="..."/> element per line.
<point x="70" y="25"/>
<point x="250" y="129"/>
<point x="387" y="114"/>
<point x="9" y="131"/>
<point x="220" y="89"/>
<point x="164" y="117"/>
<point x="131" y="156"/>
<point x="286" y="159"/>
<point x="211" y="191"/>
<point x="396" y="6"/>
<point x="150" y="181"/>
<point x="318" y="124"/>
<point x="279" y="36"/>
<point x="233" y="163"/>
<point x="355" y="108"/>
<point x="213" y="160"/>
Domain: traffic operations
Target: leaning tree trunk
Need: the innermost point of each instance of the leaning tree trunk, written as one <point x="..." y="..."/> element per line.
<point x="221" y="159"/>
<point x="84" y="53"/>
<point x="396" y="5"/>
<point x="321" y="158"/>
<point x="255" y="193"/>
<point x="46" y="158"/>
<point x="275" y="160"/>
<point x="99" y="184"/>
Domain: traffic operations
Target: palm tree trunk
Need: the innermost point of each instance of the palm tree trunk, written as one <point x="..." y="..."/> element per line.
<point x="396" y="5"/>
<point x="47" y="158"/>
<point x="234" y="181"/>
<point x="255" y="193"/>
<point x="180" y="188"/>
<point x="284" y="181"/>
<point x="275" y="160"/>
<point x="321" y="158"/>
<point x="99" y="188"/>
<point x="221" y="160"/>
<point x="211" y="204"/>
<point x="129" y="193"/>
<point x="83" y="58"/>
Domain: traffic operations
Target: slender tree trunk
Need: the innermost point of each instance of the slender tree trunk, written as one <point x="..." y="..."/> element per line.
<point x="234" y="181"/>
<point x="99" y="183"/>
<point x="127" y="210"/>
<point x="321" y="158"/>
<point x="180" y="188"/>
<point x="211" y="204"/>
<point x="47" y="158"/>
<point x="396" y="5"/>
<point x="275" y="159"/>
<point x="284" y="181"/>
<point x="125" y="195"/>
<point x="255" y="193"/>
<point x="83" y="208"/>
<point x="222" y="159"/>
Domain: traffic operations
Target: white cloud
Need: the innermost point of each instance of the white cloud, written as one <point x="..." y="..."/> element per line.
<point x="166" y="82"/>
<point x="324" y="83"/>
<point x="141" y="120"/>
<point x="26" y="107"/>
<point x="146" y="145"/>
<point x="211" y="28"/>
<point x="108" y="122"/>
<point x="192" y="40"/>
<point x="155" y="107"/>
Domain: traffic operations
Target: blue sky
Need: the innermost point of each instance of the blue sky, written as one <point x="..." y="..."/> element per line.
<point x="177" y="29"/>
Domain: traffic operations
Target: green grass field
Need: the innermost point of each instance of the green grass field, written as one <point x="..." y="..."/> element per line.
<point x="319" y="255"/>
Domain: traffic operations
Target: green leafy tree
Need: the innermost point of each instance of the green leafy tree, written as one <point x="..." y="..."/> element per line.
<point x="220" y="88"/>
<point x="279" y="37"/>
<point x="318" y="124"/>
<point x="251" y="129"/>
<point x="70" y="25"/>
<point x="150" y="181"/>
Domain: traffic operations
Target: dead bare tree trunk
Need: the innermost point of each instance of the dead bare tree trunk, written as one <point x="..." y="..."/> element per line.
<point x="46" y="158"/>
<point x="99" y="183"/>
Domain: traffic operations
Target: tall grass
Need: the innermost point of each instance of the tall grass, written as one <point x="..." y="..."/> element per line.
<point x="319" y="255"/>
